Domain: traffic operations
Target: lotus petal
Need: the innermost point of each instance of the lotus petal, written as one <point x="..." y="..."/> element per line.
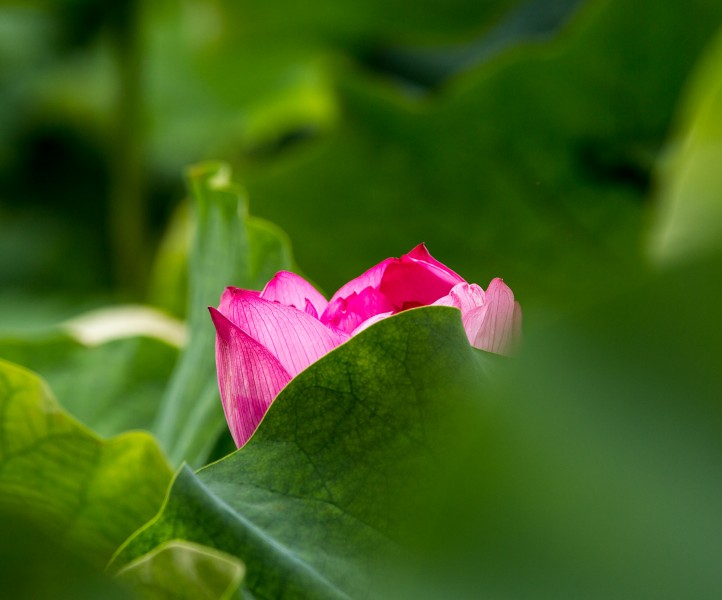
<point x="249" y="377"/>
<point x="370" y="321"/>
<point x="293" y="290"/>
<point x="490" y="327"/>
<point x="294" y="337"/>
<point x="408" y="283"/>
<point x="348" y="313"/>
<point x="421" y="254"/>
<point x="368" y="279"/>
<point x="464" y="296"/>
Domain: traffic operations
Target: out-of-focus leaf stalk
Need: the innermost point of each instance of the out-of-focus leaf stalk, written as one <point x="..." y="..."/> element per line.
<point x="190" y="415"/>
<point x="127" y="218"/>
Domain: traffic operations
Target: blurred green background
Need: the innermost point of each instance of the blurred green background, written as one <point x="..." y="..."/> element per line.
<point x="517" y="139"/>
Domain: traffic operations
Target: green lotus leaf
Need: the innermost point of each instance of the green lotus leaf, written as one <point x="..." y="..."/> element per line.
<point x="90" y="493"/>
<point x="688" y="218"/>
<point x="351" y="456"/>
<point x="179" y="570"/>
<point x="111" y="387"/>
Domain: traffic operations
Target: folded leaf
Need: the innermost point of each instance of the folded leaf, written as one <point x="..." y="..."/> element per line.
<point x="180" y="570"/>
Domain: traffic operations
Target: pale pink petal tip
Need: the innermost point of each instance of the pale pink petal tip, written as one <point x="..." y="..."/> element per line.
<point x="491" y="326"/>
<point x="464" y="296"/>
<point x="371" y="321"/>
<point x="249" y="378"/>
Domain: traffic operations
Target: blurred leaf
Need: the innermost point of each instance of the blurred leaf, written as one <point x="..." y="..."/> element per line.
<point x="688" y="220"/>
<point x="342" y="466"/>
<point x="223" y="75"/>
<point x="597" y="474"/>
<point x="180" y="570"/>
<point x="426" y="67"/>
<point x="168" y="287"/>
<point x="534" y="166"/>
<point x="229" y="248"/>
<point x="34" y="566"/>
<point x="90" y="493"/>
<point x="111" y="388"/>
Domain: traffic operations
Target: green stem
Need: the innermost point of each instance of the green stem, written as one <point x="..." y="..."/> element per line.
<point x="127" y="217"/>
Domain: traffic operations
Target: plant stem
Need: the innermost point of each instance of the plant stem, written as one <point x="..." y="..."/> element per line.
<point x="126" y="214"/>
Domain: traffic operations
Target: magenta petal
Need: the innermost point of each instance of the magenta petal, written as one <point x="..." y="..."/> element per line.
<point x="408" y="283"/>
<point x="293" y="290"/>
<point x="491" y="326"/>
<point x="249" y="378"/>
<point x="310" y="309"/>
<point x="227" y="298"/>
<point x="370" y="278"/>
<point x="348" y="313"/>
<point x="420" y="253"/>
<point x="293" y="336"/>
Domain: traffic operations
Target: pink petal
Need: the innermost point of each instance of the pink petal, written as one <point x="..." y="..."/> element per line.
<point x="249" y="378"/>
<point x="348" y="313"/>
<point x="224" y="307"/>
<point x="370" y="321"/>
<point x="293" y="290"/>
<point x="473" y="322"/>
<point x="311" y="309"/>
<point x="464" y="296"/>
<point x="369" y="279"/>
<point x="420" y="253"/>
<point x="490" y="327"/>
<point x="408" y="283"/>
<point x="294" y="337"/>
<point x="393" y="285"/>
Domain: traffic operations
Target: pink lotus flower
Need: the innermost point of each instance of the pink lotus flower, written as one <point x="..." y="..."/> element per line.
<point x="264" y="339"/>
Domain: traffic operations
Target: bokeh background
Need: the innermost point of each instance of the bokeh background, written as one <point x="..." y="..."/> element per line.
<point x="520" y="139"/>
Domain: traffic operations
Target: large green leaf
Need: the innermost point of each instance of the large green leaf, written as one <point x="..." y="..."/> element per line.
<point x="180" y="570"/>
<point x="352" y="451"/>
<point x="534" y="166"/>
<point x="229" y="248"/>
<point x="89" y="492"/>
<point x="688" y="220"/>
<point x="34" y="566"/>
<point x="599" y="470"/>
<point x="278" y="52"/>
<point x="112" y="387"/>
